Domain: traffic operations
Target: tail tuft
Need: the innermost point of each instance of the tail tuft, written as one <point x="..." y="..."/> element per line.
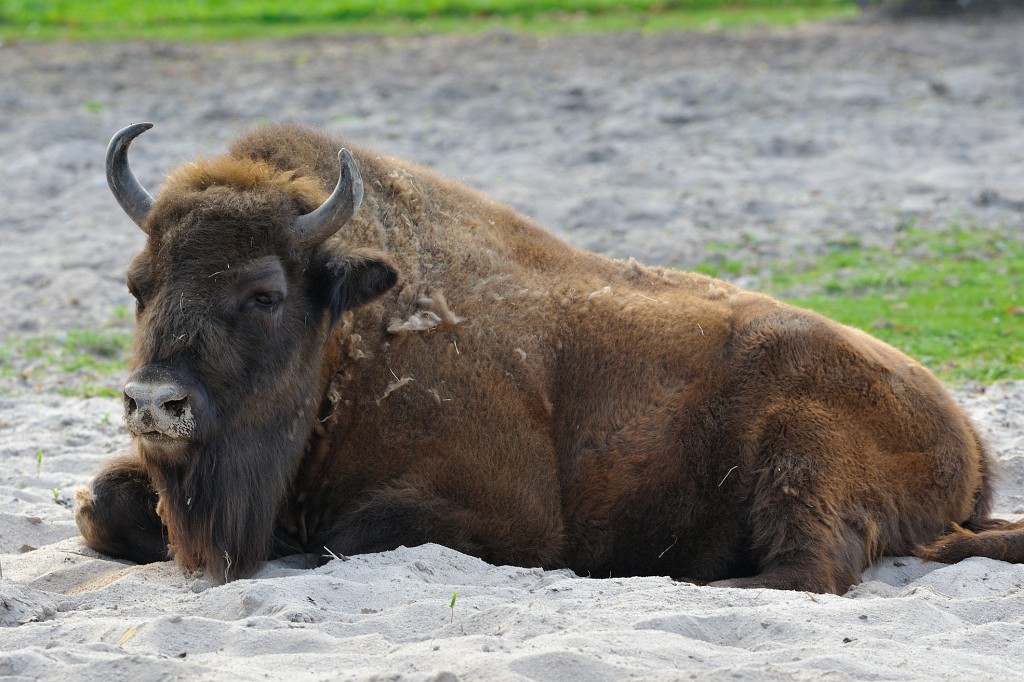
<point x="991" y="538"/>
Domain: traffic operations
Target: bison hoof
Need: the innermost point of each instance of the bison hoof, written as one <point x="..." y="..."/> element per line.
<point x="120" y="530"/>
<point x="787" y="581"/>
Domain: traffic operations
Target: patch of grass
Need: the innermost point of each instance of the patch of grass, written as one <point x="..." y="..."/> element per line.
<point x="717" y="265"/>
<point x="85" y="363"/>
<point x="208" y="20"/>
<point x="953" y="300"/>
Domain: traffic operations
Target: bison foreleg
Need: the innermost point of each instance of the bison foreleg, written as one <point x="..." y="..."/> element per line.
<point x="411" y="516"/>
<point x="393" y="518"/>
<point x="117" y="515"/>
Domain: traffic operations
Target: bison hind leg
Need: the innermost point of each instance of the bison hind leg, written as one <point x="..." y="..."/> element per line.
<point x="805" y="576"/>
<point x="116" y="513"/>
<point x="824" y="562"/>
<point x="806" y="533"/>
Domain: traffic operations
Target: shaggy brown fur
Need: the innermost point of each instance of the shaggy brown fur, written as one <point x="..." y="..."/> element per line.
<point x="512" y="397"/>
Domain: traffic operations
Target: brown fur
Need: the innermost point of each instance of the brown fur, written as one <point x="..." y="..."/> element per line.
<point x="512" y="397"/>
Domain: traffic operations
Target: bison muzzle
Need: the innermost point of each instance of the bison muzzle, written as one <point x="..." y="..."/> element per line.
<point x="347" y="352"/>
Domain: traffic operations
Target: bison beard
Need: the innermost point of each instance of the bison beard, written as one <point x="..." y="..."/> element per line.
<point x="512" y="398"/>
<point x="214" y="521"/>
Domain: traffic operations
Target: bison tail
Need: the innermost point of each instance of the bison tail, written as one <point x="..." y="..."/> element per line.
<point x="987" y="537"/>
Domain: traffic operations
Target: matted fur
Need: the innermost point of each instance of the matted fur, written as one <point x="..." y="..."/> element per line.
<point x="510" y="397"/>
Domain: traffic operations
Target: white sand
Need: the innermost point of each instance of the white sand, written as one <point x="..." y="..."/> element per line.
<point x="67" y="613"/>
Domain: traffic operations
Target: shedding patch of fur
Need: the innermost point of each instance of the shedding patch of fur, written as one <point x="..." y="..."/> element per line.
<point x="436" y="395"/>
<point x="352" y="349"/>
<point x="421" y="321"/>
<point x="715" y="292"/>
<point x="434" y="312"/>
<point x="436" y="303"/>
<point x="394" y="386"/>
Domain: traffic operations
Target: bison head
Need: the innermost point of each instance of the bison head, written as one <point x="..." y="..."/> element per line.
<point x="237" y="291"/>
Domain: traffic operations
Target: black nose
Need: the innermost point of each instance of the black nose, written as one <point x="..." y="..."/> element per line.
<point x="154" y="406"/>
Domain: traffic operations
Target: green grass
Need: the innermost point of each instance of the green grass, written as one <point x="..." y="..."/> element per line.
<point x="222" y="19"/>
<point x="718" y="264"/>
<point x="88" y="363"/>
<point x="954" y="300"/>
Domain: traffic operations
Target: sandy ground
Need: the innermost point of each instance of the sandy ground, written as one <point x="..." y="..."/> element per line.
<point x="765" y="145"/>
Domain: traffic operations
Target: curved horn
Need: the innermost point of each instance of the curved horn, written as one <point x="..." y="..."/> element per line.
<point x="132" y="196"/>
<point x="315" y="227"/>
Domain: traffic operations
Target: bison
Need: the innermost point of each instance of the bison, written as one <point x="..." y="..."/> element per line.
<point x="402" y="361"/>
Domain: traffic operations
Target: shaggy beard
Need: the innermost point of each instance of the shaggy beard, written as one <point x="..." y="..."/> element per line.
<point x="220" y="508"/>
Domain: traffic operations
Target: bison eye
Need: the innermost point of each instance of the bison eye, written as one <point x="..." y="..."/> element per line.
<point x="265" y="301"/>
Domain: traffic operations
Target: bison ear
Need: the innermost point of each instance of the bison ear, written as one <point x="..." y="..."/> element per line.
<point x="357" y="277"/>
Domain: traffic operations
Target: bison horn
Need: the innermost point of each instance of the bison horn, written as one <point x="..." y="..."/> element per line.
<point x="132" y="196"/>
<point x="315" y="227"/>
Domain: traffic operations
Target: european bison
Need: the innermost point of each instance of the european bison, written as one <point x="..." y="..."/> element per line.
<point x="421" y="364"/>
